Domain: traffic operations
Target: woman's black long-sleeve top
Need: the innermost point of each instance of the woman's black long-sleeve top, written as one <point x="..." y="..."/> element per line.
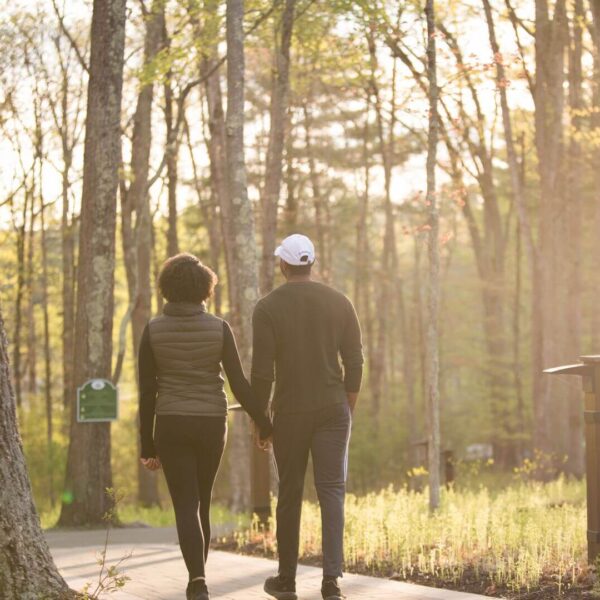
<point x="232" y="365"/>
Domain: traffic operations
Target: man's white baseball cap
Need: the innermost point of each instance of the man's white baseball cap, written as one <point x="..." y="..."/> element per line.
<point x="296" y="249"/>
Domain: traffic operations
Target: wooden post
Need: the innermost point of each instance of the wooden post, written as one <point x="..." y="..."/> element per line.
<point x="589" y="370"/>
<point x="448" y="458"/>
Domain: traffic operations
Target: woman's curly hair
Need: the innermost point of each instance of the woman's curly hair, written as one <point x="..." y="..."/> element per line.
<point x="183" y="278"/>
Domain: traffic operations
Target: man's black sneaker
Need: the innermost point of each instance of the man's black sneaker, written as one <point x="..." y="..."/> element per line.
<point x="197" y="590"/>
<point x="330" y="590"/>
<point x="282" y="588"/>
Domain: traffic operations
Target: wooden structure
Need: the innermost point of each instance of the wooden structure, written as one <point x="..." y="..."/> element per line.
<point x="589" y="370"/>
<point x="419" y="459"/>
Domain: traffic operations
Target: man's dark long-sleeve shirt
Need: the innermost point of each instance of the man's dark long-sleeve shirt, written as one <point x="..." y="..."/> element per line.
<point x="235" y="376"/>
<point x="301" y="330"/>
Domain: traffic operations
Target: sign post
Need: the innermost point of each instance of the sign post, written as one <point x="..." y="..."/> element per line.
<point x="97" y="401"/>
<point x="589" y="371"/>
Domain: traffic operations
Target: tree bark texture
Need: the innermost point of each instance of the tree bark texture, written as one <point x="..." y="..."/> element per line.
<point x="137" y="199"/>
<point x="27" y="570"/>
<point x="88" y="461"/>
<point x="216" y="144"/>
<point x="20" y="251"/>
<point x="433" y="288"/>
<point x="273" y="171"/>
<point x="573" y="234"/>
<point x="244" y="250"/>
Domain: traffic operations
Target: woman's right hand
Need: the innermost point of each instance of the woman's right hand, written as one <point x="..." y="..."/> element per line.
<point x="152" y="464"/>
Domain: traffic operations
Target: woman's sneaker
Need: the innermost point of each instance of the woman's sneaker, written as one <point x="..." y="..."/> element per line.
<point x="330" y="589"/>
<point x="282" y="588"/>
<point x="197" y="590"/>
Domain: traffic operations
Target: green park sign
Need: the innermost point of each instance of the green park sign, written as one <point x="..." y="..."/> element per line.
<point x="97" y="401"/>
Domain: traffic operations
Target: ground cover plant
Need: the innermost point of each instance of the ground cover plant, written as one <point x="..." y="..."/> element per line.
<point x="526" y="540"/>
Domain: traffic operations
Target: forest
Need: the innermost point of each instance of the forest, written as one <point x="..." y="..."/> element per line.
<point x="443" y="156"/>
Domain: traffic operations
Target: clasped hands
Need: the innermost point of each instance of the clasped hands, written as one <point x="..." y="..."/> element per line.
<point x="261" y="444"/>
<point x="152" y="464"/>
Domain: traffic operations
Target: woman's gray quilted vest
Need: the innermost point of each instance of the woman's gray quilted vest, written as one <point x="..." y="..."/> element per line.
<point x="187" y="343"/>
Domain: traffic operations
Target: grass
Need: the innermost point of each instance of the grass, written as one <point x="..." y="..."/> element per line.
<point x="513" y="539"/>
<point x="130" y="514"/>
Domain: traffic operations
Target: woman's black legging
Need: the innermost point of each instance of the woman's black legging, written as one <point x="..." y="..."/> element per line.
<point x="190" y="450"/>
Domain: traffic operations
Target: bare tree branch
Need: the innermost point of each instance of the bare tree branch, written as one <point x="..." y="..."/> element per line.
<point x="196" y="82"/>
<point x="63" y="28"/>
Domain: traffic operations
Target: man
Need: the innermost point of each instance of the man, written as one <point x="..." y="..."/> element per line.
<point x="301" y="330"/>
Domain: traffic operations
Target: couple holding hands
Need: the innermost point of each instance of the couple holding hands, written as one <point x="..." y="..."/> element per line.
<point x="301" y="330"/>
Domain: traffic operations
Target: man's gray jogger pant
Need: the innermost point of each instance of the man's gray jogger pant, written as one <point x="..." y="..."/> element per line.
<point x="325" y="434"/>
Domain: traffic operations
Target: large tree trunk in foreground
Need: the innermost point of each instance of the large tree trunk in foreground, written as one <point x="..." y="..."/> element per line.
<point x="26" y="567"/>
<point x="433" y="291"/>
<point x="242" y="223"/>
<point x="88" y="461"/>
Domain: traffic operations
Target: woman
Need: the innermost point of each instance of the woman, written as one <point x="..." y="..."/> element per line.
<point x="180" y="358"/>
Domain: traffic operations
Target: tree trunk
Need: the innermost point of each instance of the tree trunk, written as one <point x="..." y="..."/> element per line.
<point x="549" y="326"/>
<point x="20" y="237"/>
<point x="291" y="201"/>
<point x="433" y="288"/>
<point x="68" y="287"/>
<point x="31" y="290"/>
<point x="572" y="342"/>
<point x="210" y="217"/>
<point x="362" y="277"/>
<point x="535" y="264"/>
<point x="216" y="147"/>
<point x="88" y="460"/>
<point x="318" y="199"/>
<point x="26" y="567"/>
<point x="489" y="247"/>
<point x="138" y="200"/>
<point x="244" y="251"/>
<point x="47" y="357"/>
<point x="382" y="347"/>
<point x="278" y="110"/>
<point x="172" y="141"/>
<point x="68" y="251"/>
<point x="595" y="125"/>
<point x="409" y="346"/>
<point x="172" y="151"/>
<point x="416" y="333"/>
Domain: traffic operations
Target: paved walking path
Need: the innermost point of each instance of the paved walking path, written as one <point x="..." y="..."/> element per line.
<point x="157" y="570"/>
